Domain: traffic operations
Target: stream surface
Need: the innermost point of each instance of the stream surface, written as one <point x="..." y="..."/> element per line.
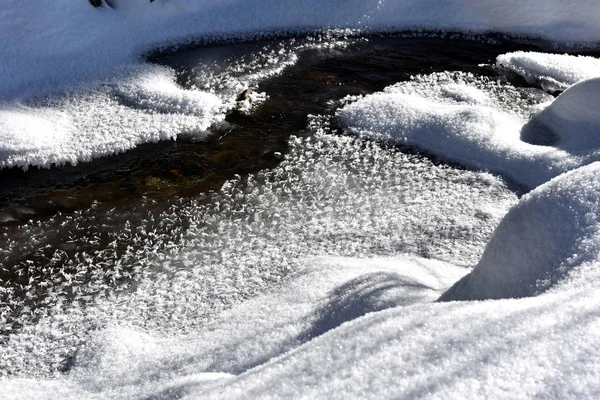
<point x="168" y="234"/>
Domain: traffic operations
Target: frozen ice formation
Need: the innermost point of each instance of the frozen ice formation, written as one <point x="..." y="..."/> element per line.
<point x="331" y="195"/>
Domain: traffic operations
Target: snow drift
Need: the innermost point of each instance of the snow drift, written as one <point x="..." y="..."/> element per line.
<point x="554" y="229"/>
<point x="470" y="121"/>
<point x="552" y="72"/>
<point x="50" y="47"/>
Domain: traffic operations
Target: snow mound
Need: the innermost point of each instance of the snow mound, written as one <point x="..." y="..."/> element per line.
<point x="159" y="93"/>
<point x="552" y="71"/>
<point x="147" y="107"/>
<point x="552" y="230"/>
<point x="484" y="125"/>
<point x="542" y="347"/>
<point x="571" y="122"/>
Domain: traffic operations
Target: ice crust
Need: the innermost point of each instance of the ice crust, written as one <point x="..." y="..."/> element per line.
<point x="552" y="71"/>
<point x="331" y="196"/>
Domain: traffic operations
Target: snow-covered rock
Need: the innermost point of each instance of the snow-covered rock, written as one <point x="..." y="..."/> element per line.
<point x="571" y="122"/>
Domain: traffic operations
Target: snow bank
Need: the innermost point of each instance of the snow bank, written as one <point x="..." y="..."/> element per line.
<point x="41" y="47"/>
<point x="484" y="125"/>
<point x="552" y="71"/>
<point x="348" y="327"/>
<point x="44" y="52"/>
<point x="552" y="230"/>
<point x="122" y="362"/>
<point x="540" y="347"/>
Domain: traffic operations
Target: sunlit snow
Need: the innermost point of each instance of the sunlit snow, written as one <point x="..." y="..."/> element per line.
<point x="485" y="125"/>
<point x="96" y="45"/>
<point x="551" y="71"/>
<point x="343" y="272"/>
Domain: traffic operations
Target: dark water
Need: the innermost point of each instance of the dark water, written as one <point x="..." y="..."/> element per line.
<point x="145" y="181"/>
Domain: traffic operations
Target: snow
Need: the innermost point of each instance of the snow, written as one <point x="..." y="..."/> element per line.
<point x="354" y="327"/>
<point x="572" y="121"/>
<point x="553" y="230"/>
<point x="78" y="128"/>
<point x="96" y="45"/>
<point x="326" y="277"/>
<point x="552" y="71"/>
<point x="485" y="125"/>
<point x="332" y="196"/>
<point x="120" y="361"/>
<point x="542" y="347"/>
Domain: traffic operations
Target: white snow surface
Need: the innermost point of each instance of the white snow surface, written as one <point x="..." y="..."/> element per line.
<point x="41" y="46"/>
<point x="552" y="231"/>
<point x="571" y="122"/>
<point x="120" y="361"/>
<point x="49" y="46"/>
<point x="485" y="125"/>
<point x="371" y="328"/>
<point x="361" y="326"/>
<point x="82" y="127"/>
<point x="551" y="71"/>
